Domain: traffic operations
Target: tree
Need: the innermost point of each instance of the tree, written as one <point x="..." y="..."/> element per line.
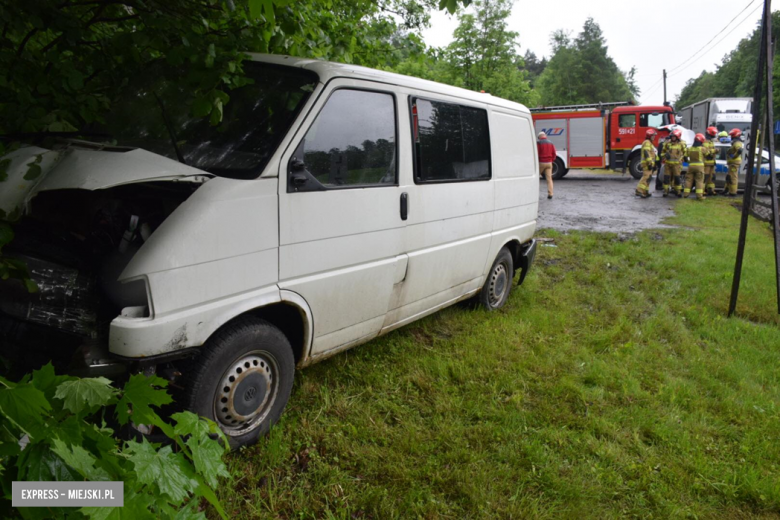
<point x="534" y="66"/>
<point x="63" y="61"/>
<point x="581" y="71"/>
<point x="484" y="54"/>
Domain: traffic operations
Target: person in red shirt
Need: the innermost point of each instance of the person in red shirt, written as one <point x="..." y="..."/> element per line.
<point x="546" y="158"/>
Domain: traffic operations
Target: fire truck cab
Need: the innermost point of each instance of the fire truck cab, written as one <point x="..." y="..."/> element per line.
<point x="601" y="135"/>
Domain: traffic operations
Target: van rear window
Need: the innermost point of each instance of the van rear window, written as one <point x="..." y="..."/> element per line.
<point x="452" y="142"/>
<point x="255" y="119"/>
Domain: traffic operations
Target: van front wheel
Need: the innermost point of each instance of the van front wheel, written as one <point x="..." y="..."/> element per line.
<point x="495" y="292"/>
<point x="243" y="379"/>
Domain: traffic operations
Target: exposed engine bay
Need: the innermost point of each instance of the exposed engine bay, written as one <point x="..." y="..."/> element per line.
<point x="75" y="243"/>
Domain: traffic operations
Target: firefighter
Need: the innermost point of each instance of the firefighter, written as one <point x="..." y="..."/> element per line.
<point x="673" y="152"/>
<point x="695" y="173"/>
<point x="733" y="160"/>
<point x="710" y="154"/>
<point x="649" y="156"/>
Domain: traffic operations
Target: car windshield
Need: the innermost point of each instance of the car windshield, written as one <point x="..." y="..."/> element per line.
<point x="254" y="122"/>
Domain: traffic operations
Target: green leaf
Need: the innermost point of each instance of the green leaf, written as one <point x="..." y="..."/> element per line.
<point x="81" y="394"/>
<point x="216" y="112"/>
<point x="169" y="471"/>
<point x="139" y="395"/>
<point x="6" y="234"/>
<point x="39" y="463"/>
<point x="206" y="451"/>
<point x="25" y="406"/>
<point x="4" y="164"/>
<point x="33" y="172"/>
<point x="30" y="285"/>
<point x="81" y="460"/>
<point x="255" y="8"/>
<point x="45" y="380"/>
<point x="201" y="107"/>
<point x="210" y="55"/>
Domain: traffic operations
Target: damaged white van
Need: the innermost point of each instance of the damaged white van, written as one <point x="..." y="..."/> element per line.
<point x="332" y="205"/>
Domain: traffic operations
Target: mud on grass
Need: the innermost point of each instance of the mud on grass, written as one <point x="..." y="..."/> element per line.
<point x="610" y="386"/>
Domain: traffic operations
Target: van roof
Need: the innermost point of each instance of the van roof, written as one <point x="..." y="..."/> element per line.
<point x="327" y="70"/>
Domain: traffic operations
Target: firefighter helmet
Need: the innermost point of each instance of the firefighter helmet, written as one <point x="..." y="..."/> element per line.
<point x="723" y="134"/>
<point x="700" y="137"/>
<point x="650" y="133"/>
<point x="677" y="133"/>
<point x="735" y="133"/>
<point x="712" y="131"/>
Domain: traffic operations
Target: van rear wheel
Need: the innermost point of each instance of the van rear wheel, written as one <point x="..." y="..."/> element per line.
<point x="243" y="379"/>
<point x="495" y="292"/>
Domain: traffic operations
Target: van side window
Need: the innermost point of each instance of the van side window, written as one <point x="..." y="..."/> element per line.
<point x="451" y="142"/>
<point x="351" y="143"/>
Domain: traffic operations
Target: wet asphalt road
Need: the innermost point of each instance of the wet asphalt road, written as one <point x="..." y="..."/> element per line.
<point x="590" y="201"/>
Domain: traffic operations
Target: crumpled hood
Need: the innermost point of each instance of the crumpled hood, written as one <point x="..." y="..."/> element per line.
<point x="33" y="169"/>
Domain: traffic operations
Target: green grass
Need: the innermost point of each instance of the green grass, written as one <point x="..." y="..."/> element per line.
<point x="610" y="386"/>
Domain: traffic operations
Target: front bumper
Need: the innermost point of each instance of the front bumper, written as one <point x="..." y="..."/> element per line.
<point x="527" y="256"/>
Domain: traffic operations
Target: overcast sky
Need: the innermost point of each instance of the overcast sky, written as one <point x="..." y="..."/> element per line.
<point x="650" y="36"/>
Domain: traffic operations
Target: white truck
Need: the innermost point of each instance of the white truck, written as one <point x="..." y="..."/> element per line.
<point x="722" y="113"/>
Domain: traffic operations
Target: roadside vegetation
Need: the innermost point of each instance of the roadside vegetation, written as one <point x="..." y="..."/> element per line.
<point x="611" y="385"/>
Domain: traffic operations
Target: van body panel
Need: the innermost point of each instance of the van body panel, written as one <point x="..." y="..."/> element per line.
<point x="414" y="311"/>
<point x="195" y="284"/>
<point x="191" y="327"/>
<point x="225" y="218"/>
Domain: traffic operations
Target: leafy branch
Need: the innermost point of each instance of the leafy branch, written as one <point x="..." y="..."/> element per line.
<point x="53" y="428"/>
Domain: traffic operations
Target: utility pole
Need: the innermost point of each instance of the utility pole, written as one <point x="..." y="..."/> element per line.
<point x="664" y="86"/>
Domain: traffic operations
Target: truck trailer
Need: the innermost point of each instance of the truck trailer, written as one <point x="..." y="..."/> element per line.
<point x="601" y="135"/>
<point x="722" y="113"/>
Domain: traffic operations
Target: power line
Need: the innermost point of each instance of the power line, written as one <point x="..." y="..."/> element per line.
<point x="672" y="73"/>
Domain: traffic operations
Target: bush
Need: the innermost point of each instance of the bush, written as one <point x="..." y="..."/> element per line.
<point x="54" y="428"/>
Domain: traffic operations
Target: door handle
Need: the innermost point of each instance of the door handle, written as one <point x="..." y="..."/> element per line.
<point x="404" y="206"/>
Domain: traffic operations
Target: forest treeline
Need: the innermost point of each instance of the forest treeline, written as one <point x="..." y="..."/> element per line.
<point x="736" y="74"/>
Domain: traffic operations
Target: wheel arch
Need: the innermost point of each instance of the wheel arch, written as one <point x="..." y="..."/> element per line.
<point x="291" y="315"/>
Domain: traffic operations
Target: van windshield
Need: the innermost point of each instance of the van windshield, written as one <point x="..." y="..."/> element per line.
<point x="254" y="122"/>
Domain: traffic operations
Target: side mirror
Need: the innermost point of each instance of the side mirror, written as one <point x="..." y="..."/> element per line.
<point x="296" y="165"/>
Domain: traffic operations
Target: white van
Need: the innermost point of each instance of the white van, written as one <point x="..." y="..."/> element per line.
<point x="334" y="204"/>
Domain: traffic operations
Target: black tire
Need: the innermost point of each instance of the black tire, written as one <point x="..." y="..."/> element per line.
<point x="498" y="284"/>
<point x="559" y="171"/>
<point x="635" y="167"/>
<point x="259" y="360"/>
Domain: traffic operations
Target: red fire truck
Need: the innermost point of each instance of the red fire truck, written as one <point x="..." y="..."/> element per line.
<point x="601" y="135"/>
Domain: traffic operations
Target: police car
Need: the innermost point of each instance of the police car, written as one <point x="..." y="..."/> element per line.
<point x="721" y="168"/>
